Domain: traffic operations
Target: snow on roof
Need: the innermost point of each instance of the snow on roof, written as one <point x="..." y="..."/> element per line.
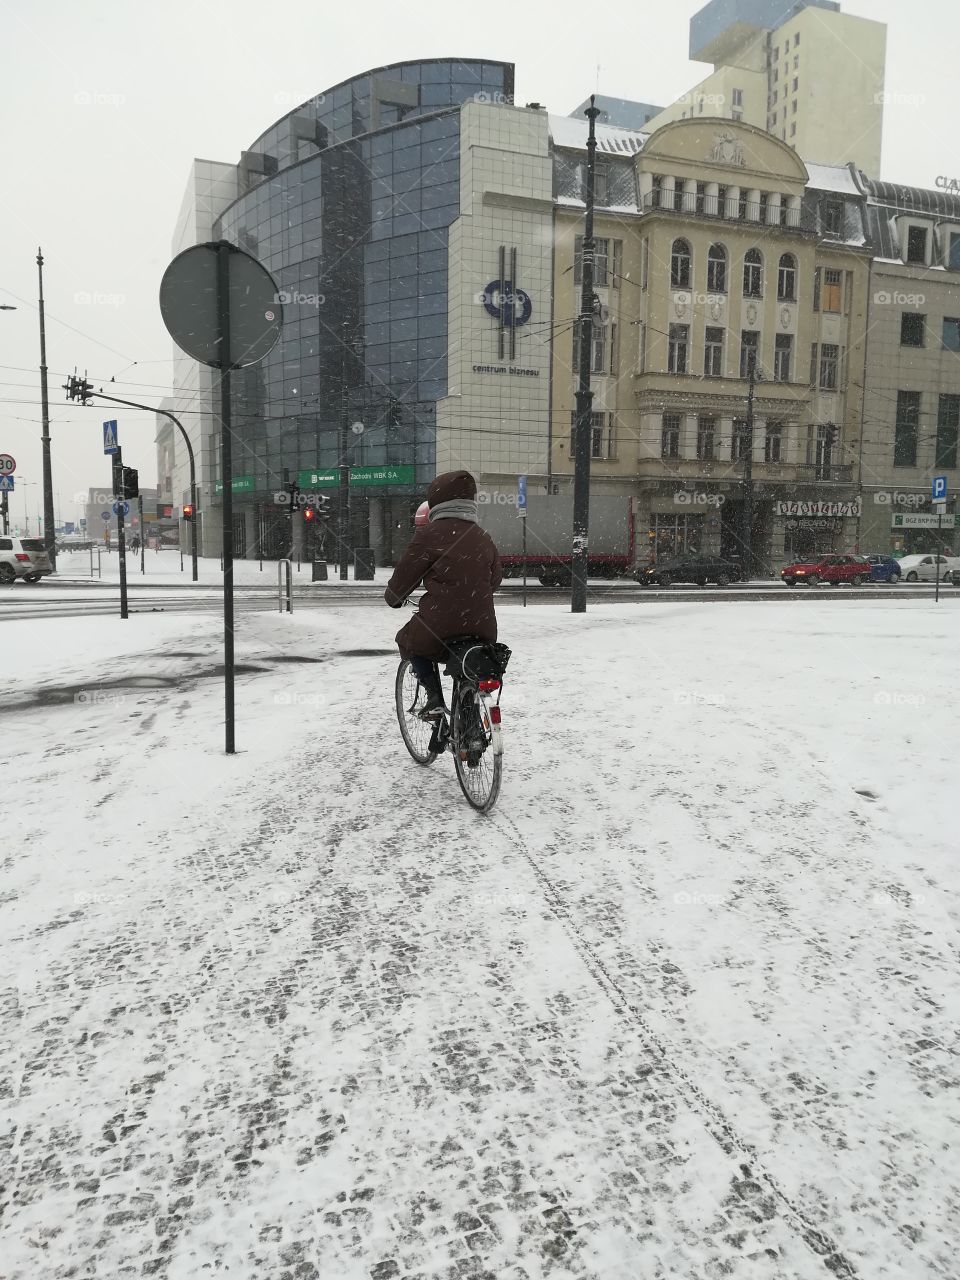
<point x="828" y="177"/>
<point x="572" y="133"/>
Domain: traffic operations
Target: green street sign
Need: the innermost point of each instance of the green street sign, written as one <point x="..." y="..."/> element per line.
<point x="239" y="484"/>
<point x="381" y="475"/>
<point x="318" y="479"/>
<point x="360" y="476"/>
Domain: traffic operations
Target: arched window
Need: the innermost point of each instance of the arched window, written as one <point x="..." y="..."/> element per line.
<point x="787" y="279"/>
<point x="752" y="274"/>
<point x="717" y="269"/>
<point x="680" y="265"/>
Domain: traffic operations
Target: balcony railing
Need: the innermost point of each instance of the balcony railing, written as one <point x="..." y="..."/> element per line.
<point x="704" y="206"/>
<point x="824" y="472"/>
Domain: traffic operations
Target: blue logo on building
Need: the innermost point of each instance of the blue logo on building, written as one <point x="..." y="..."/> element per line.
<point x="501" y="299"/>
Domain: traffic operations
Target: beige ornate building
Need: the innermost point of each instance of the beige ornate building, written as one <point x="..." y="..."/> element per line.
<point x="716" y="248"/>
<point x="730" y="256"/>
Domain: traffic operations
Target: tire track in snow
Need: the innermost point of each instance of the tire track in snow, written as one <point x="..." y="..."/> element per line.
<point x="717" y="1123"/>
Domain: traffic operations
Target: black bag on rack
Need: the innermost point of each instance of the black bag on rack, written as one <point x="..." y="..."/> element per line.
<point x="475" y="659"/>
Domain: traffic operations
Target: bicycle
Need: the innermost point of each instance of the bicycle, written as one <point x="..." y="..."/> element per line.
<point x="470" y="728"/>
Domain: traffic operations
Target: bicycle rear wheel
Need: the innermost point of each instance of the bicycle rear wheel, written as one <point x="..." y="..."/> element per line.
<point x="416" y="733"/>
<point x="478" y="764"/>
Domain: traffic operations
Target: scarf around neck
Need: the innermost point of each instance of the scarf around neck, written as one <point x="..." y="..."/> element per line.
<point x="455" y="509"/>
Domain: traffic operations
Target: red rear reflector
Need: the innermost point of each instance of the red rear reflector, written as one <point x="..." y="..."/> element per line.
<point x="489" y="685"/>
<point x="20" y="556"/>
<point x="495" y="715"/>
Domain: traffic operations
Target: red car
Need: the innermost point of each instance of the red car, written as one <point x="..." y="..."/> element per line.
<point x="852" y="569"/>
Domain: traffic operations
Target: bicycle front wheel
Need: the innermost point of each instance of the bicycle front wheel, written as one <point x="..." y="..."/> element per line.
<point x="416" y="733"/>
<point x="476" y="758"/>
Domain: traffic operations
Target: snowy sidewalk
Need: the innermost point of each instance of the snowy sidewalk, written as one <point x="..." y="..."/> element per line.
<point x="683" y="1007"/>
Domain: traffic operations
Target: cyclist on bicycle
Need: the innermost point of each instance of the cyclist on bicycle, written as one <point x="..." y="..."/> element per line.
<point x="458" y="565"/>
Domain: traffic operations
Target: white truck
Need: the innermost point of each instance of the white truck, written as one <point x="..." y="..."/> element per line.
<point x="546" y="546"/>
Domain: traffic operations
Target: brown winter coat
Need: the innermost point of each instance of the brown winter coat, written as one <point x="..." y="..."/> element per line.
<point x="458" y="565"/>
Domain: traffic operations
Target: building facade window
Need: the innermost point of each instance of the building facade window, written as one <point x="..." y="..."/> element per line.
<point x="826" y="438"/>
<point x="740" y="444"/>
<point x="912" y="329"/>
<point x="599" y="439"/>
<point x="672" y="535"/>
<point x="738" y="97"/>
<point x="953" y="257"/>
<point x="681" y="265"/>
<point x="917" y="245"/>
<point x="706" y="438"/>
<point x="829" y="366"/>
<point x="601" y="261"/>
<point x="783" y="357"/>
<point x="717" y="269"/>
<point x="753" y="274"/>
<point x="832" y="294"/>
<point x="951" y="334"/>
<point x="601" y="177"/>
<point x="678" y="348"/>
<point x="907" y="429"/>
<point x="773" y="442"/>
<point x="831" y="217"/>
<point x="670" y="436"/>
<point x="948" y="428"/>
<point x="598" y="344"/>
<point x="713" y="352"/>
<point x="749" y="349"/>
<point x="787" y="279"/>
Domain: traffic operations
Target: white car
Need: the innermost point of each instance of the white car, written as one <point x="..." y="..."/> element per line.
<point x="23" y="558"/>
<point x="925" y="568"/>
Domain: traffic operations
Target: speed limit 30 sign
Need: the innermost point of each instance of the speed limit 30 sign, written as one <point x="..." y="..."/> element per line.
<point x="8" y="465"/>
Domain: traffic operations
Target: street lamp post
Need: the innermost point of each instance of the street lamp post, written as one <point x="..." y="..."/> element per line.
<point x="746" y="535"/>
<point x="49" y="524"/>
<point x="4" y="501"/>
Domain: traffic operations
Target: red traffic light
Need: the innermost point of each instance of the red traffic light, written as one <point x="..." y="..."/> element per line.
<point x="188" y="511"/>
<point x="309" y="514"/>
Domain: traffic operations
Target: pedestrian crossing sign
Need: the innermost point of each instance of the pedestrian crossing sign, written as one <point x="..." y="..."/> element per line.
<point x="110" y="437"/>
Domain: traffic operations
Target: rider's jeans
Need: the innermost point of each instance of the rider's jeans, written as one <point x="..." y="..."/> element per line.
<point x="426" y="671"/>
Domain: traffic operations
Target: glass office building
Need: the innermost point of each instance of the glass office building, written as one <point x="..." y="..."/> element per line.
<point x="347" y="202"/>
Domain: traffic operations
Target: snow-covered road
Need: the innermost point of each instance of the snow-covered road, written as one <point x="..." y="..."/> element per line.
<point x="684" y="1006"/>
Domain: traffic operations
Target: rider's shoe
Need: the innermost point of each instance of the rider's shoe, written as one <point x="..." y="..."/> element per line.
<point x="434" y="708"/>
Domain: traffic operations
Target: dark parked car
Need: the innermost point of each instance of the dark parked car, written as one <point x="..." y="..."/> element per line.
<point x="698" y="569"/>
<point x="883" y="568"/>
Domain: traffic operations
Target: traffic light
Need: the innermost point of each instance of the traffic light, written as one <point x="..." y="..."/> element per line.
<point x="189" y="511"/>
<point x="78" y="388"/>
<point x="129" y="483"/>
<point x="309" y="515"/>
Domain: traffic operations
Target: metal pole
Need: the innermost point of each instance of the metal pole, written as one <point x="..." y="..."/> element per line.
<point x="49" y="524"/>
<point x="133" y="404"/>
<point x="939" y="545"/>
<point x="344" y="513"/>
<point x="524" y="559"/>
<point x="121" y="541"/>
<point x="143" y="536"/>
<point x="226" y="472"/>
<point x="581" y="474"/>
<point x="3" y="507"/>
<point x="747" y="515"/>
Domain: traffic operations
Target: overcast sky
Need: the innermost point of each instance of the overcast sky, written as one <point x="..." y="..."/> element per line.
<point x="106" y="102"/>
